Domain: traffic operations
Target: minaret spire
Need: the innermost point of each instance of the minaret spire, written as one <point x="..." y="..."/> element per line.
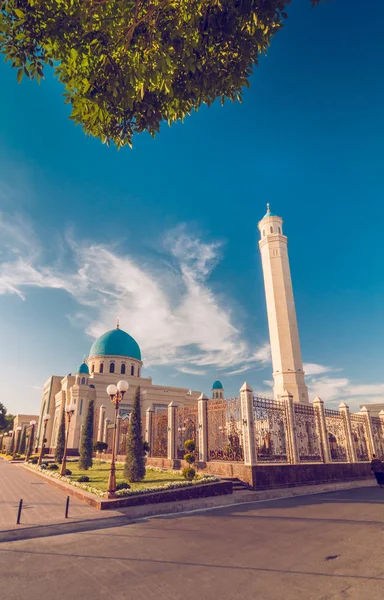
<point x="287" y="363"/>
<point x="117" y="323"/>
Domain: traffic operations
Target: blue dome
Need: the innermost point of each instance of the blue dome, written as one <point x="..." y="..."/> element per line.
<point x="217" y="385"/>
<point x="83" y="368"/>
<point x="116" y="343"/>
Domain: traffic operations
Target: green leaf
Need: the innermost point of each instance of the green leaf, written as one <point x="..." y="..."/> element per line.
<point x="19" y="13"/>
<point x="20" y="74"/>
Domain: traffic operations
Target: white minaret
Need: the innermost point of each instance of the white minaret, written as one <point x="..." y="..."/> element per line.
<point x="288" y="374"/>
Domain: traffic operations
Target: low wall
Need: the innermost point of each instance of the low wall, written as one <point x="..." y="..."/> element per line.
<point x="264" y="477"/>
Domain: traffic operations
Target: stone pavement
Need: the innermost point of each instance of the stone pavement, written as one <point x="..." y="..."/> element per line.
<point x="42" y="503"/>
<point x="318" y="547"/>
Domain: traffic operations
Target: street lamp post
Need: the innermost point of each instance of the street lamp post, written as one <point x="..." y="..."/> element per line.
<point x="45" y="421"/>
<point x="5" y="445"/>
<point x="116" y="394"/>
<point x="15" y="447"/>
<point x="30" y="441"/>
<point x="70" y="410"/>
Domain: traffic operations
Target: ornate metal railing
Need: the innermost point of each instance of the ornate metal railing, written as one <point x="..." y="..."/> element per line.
<point x="360" y="436"/>
<point x="187" y="428"/>
<point x="378" y="436"/>
<point x="122" y="447"/>
<point x="224" y="425"/>
<point x="159" y="434"/>
<point x="270" y="427"/>
<point x="307" y="433"/>
<point x="337" y="435"/>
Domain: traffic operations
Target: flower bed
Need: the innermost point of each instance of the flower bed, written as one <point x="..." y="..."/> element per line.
<point x="137" y="489"/>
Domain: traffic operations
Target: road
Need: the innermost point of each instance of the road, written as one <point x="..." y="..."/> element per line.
<point x="319" y="547"/>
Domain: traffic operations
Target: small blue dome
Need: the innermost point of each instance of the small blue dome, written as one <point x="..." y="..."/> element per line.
<point x="116" y="343"/>
<point x="83" y="368"/>
<point x="217" y="385"/>
<point x="269" y="213"/>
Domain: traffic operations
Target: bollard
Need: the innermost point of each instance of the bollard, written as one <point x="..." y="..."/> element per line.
<point x="19" y="512"/>
<point x="66" y="507"/>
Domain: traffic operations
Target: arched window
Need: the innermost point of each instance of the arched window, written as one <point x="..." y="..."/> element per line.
<point x="123" y="369"/>
<point x="112" y="367"/>
<point x="221" y="394"/>
<point x="132" y="370"/>
<point x="138" y="372"/>
<point x="271" y="229"/>
<point x="101" y="367"/>
<point x="279" y="230"/>
<point x="83" y="381"/>
<point x="81" y="406"/>
<point x="93" y="368"/>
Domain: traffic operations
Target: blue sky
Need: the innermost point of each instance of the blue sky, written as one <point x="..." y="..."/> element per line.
<point x="165" y="235"/>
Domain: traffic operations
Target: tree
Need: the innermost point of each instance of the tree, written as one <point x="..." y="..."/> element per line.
<point x="86" y="447"/>
<point x="128" y="65"/>
<point x="23" y="439"/>
<point x="3" y="412"/>
<point x="60" y="442"/>
<point x="134" y="468"/>
<point x="12" y="444"/>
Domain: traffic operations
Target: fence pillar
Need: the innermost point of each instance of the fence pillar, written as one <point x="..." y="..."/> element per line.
<point x="318" y="405"/>
<point x="101" y="423"/>
<point x="287" y="398"/>
<point x="344" y="410"/>
<point x="148" y="428"/>
<point x="381" y="415"/>
<point x="371" y="440"/>
<point x="171" y="449"/>
<point x="248" y="424"/>
<point x="202" y="411"/>
<point x="118" y="425"/>
<point x="105" y="432"/>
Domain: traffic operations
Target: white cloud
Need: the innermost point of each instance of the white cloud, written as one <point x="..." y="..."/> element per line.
<point x="170" y="308"/>
<point x="315" y="369"/>
<point x="189" y="371"/>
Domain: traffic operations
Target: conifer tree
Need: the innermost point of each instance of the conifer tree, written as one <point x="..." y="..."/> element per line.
<point x="23" y="439"/>
<point x="60" y="443"/>
<point x="134" y="468"/>
<point x="12" y="444"/>
<point x="86" y="447"/>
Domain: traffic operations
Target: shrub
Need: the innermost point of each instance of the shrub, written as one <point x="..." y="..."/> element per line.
<point x="189" y="446"/>
<point x="34" y="461"/>
<point x="43" y="466"/>
<point x="146" y="447"/>
<point x="83" y="479"/>
<point x="60" y="443"/>
<point x="53" y="467"/>
<point x="189" y="473"/>
<point x="189" y="458"/>
<point x="123" y="486"/>
<point x="68" y="472"/>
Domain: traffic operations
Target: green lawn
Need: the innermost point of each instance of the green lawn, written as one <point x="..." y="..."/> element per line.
<point x="98" y="476"/>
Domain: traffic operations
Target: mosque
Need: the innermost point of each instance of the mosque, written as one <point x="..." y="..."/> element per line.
<point x="116" y="355"/>
<point x="113" y="356"/>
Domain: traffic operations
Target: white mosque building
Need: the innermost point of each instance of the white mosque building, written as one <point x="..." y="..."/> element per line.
<point x="116" y="355"/>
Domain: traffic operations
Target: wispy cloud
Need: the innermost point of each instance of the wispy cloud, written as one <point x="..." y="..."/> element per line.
<point x="170" y="306"/>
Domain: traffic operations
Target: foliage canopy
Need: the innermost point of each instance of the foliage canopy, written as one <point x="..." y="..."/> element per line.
<point x="128" y="65"/>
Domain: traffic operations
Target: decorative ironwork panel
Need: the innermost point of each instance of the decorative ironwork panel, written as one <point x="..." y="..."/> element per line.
<point x="270" y="426"/>
<point x="187" y="426"/>
<point x="378" y="436"/>
<point x="337" y="436"/>
<point x="144" y="427"/>
<point x="307" y="433"/>
<point x="122" y="446"/>
<point x="159" y="433"/>
<point x="110" y="436"/>
<point x="360" y="436"/>
<point x="225" y="434"/>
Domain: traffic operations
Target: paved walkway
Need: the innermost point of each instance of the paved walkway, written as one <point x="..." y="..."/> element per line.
<point x="42" y="503"/>
<point x="321" y="547"/>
